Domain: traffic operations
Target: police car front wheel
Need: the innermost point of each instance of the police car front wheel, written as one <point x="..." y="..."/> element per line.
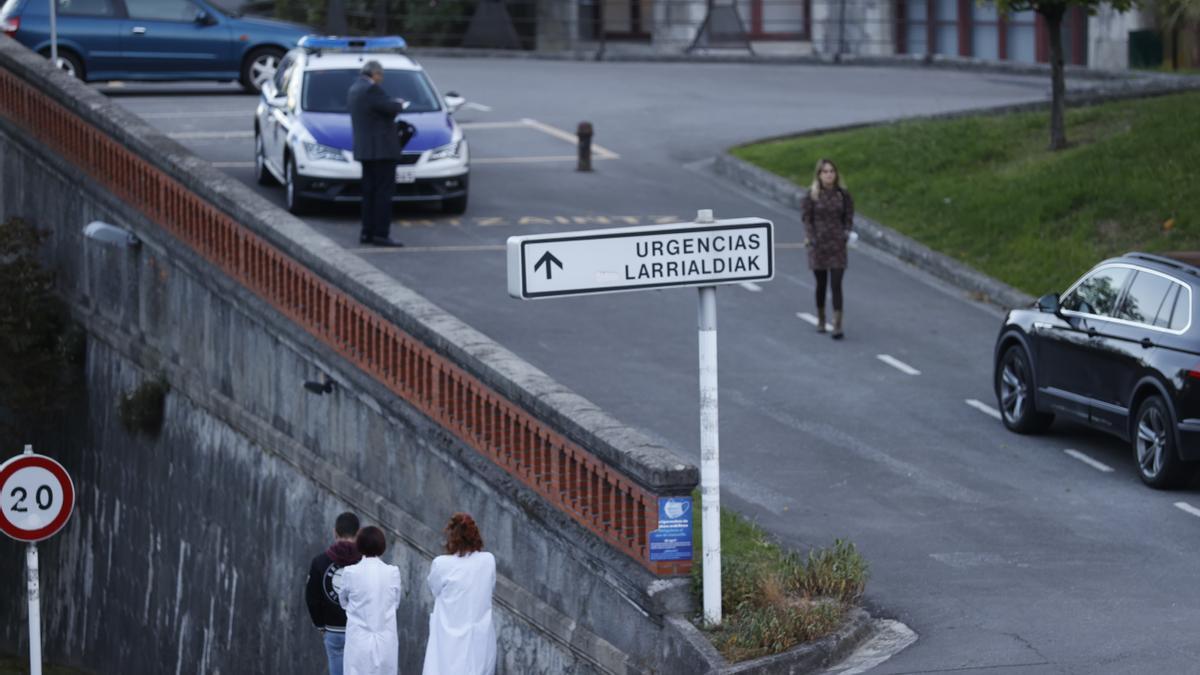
<point x="261" y="173"/>
<point x="297" y="204"/>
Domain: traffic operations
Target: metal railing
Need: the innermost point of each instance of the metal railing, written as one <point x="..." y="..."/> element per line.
<point x="594" y="494"/>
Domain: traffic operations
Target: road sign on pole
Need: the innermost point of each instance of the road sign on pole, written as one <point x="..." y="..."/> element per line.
<point x="705" y="253"/>
<point x="36" y="500"/>
<point x="640" y="258"/>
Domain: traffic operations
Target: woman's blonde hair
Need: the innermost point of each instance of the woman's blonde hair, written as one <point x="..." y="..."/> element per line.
<point x="815" y="190"/>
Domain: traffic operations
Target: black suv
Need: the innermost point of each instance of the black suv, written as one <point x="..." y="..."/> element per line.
<point x="1119" y="351"/>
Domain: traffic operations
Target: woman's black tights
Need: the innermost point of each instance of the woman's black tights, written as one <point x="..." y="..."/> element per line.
<point x="822" y="276"/>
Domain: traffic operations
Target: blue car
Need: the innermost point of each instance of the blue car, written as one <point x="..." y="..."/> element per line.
<point x="153" y="40"/>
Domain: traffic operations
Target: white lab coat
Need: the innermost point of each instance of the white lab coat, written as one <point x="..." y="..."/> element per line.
<point x="462" y="640"/>
<point x="370" y="594"/>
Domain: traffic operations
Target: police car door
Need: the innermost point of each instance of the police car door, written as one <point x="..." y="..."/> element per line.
<point x="275" y="124"/>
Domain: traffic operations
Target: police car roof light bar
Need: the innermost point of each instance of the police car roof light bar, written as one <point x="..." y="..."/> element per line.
<point x="316" y="44"/>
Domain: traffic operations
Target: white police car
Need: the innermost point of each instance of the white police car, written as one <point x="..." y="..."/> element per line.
<point x="303" y="137"/>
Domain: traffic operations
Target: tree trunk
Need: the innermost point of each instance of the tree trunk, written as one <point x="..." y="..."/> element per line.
<point x="1058" y="132"/>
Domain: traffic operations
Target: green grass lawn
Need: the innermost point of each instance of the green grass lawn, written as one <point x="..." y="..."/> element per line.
<point x="986" y="191"/>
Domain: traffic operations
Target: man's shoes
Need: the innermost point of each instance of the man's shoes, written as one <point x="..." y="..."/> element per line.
<point x="386" y="242"/>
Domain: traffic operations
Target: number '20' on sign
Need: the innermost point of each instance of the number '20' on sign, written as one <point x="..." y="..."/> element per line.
<point x="36" y="497"/>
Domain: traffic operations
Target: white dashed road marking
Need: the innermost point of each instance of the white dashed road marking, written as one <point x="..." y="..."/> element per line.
<point x="750" y="286"/>
<point x="477" y="106"/>
<point x="983" y="408"/>
<point x="1099" y="466"/>
<point x="898" y="364"/>
<point x="1188" y="508"/>
<point x="812" y="319"/>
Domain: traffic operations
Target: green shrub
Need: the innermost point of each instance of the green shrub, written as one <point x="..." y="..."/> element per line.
<point x="775" y="628"/>
<point x="838" y="572"/>
<point x="37" y="342"/>
<point x="772" y="600"/>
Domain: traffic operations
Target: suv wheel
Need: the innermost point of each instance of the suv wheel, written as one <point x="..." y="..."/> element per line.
<point x="1014" y="392"/>
<point x="259" y="67"/>
<point x="1154" y="450"/>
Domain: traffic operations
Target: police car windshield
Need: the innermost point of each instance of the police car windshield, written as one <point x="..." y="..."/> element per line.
<point x="325" y="90"/>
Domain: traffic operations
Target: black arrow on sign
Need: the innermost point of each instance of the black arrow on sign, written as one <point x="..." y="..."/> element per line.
<point x="547" y="259"/>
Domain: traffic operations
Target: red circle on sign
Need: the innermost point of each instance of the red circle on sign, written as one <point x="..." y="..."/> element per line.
<point x="68" y="489"/>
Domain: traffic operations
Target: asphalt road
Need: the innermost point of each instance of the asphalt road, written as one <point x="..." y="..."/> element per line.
<point x="1003" y="553"/>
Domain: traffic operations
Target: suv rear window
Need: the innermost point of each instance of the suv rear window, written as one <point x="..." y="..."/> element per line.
<point x="1145" y="299"/>
<point x="1098" y="292"/>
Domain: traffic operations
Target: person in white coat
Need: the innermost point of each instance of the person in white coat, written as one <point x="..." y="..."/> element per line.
<point x="370" y="594"/>
<point x="462" y="639"/>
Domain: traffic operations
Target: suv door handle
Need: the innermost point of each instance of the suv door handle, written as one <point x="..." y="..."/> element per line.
<point x="1146" y="343"/>
<point x="139" y="30"/>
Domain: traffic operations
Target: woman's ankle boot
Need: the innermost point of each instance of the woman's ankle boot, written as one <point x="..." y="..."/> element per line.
<point x="820" y="319"/>
<point x="837" y="325"/>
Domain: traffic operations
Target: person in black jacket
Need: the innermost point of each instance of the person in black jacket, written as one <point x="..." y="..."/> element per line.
<point x="377" y="147"/>
<point x="324" y="581"/>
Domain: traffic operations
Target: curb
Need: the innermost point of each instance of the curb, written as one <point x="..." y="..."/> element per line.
<point x="800" y="660"/>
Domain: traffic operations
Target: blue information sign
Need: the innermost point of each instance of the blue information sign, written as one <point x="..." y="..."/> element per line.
<point x="673" y="538"/>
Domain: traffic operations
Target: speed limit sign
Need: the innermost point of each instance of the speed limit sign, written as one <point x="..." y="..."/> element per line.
<point x="36" y="497"/>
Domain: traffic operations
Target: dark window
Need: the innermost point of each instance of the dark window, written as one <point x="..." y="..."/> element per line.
<point x="325" y="90"/>
<point x="1145" y="298"/>
<point x="1180" y="314"/>
<point x="1097" y="294"/>
<point x="85" y="8"/>
<point x="161" y="10"/>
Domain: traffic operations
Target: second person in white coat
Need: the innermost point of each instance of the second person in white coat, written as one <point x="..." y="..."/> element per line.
<point x="462" y="640"/>
<point x="370" y="594"/>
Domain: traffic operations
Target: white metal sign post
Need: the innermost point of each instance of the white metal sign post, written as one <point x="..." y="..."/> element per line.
<point x="704" y="254"/>
<point x="36" y="500"/>
<point x="710" y="448"/>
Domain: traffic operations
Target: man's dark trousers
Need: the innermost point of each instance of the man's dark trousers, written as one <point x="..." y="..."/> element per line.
<point x="378" y="186"/>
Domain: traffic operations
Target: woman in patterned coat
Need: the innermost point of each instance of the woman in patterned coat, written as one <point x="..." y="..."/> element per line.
<point x="828" y="214"/>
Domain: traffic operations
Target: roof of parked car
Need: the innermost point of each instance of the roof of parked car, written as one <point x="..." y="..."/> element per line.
<point x="1180" y="261"/>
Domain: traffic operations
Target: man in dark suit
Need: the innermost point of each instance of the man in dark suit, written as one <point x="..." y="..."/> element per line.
<point x="377" y="147"/>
